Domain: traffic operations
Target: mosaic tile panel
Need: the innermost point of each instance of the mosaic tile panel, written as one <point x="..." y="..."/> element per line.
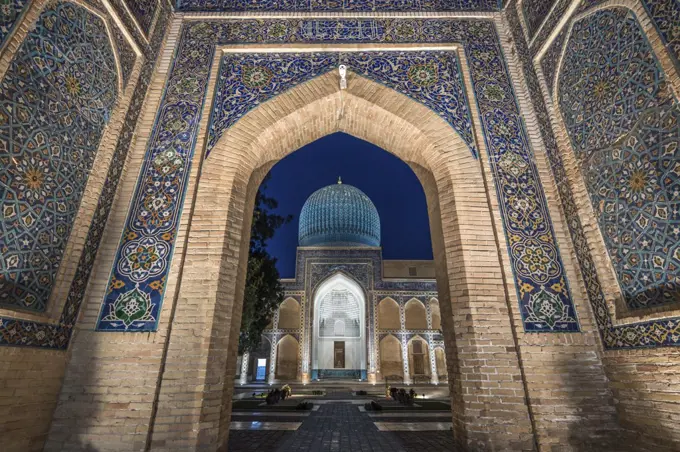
<point x="666" y="18"/>
<point x="339" y="5"/>
<point x="55" y="101"/>
<point x="535" y="12"/>
<point x="15" y="332"/>
<point x="609" y="77"/>
<point x="609" y="81"/>
<point x="657" y="333"/>
<point x="432" y="78"/>
<point x="126" y="54"/>
<point x="10" y="13"/>
<point x="545" y="300"/>
<point x="551" y="60"/>
<point x="556" y="15"/>
<point x="143" y="11"/>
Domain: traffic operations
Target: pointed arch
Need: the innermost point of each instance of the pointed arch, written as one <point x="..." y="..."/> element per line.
<point x="289" y="314"/>
<point x="418" y="356"/>
<point x="440" y="361"/>
<point x="391" y="359"/>
<point x="388" y="314"/>
<point x="287" y="358"/>
<point x="415" y="315"/>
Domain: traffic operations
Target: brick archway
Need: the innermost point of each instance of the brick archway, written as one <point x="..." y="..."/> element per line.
<point x="208" y="307"/>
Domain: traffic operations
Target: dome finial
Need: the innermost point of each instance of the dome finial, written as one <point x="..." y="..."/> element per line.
<point x="339" y="180"/>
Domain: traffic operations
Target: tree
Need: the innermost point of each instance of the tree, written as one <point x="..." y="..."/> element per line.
<point x="264" y="291"/>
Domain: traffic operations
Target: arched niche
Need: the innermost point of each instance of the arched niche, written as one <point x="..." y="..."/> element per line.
<point x="388" y="315"/>
<point x="418" y="356"/>
<point x="435" y="314"/>
<point x="415" y="315"/>
<point x="440" y="360"/>
<point x="391" y="360"/>
<point x="287" y="358"/>
<point x="339" y="322"/>
<point x="289" y="314"/>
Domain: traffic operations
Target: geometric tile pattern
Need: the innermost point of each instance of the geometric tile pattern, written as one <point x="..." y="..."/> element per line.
<point x="634" y="187"/>
<point x="143" y="11"/>
<point x="24" y="333"/>
<point x="431" y="78"/>
<point x="610" y="79"/>
<point x="145" y="251"/>
<point x="551" y="21"/>
<point x="10" y="12"/>
<point x="126" y="55"/>
<point x="655" y="333"/>
<point x="535" y="12"/>
<point x="55" y="101"/>
<point x="666" y="19"/>
<point x="338" y="5"/>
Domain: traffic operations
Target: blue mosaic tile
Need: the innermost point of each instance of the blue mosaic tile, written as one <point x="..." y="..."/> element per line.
<point x="551" y="60"/>
<point x="24" y="333"/>
<point x="143" y="11"/>
<point x="609" y="89"/>
<point x="665" y="15"/>
<point x="656" y="333"/>
<point x="535" y="12"/>
<point x="10" y="13"/>
<point x="551" y="21"/>
<point x="339" y="5"/>
<point x="431" y="78"/>
<point x="54" y="106"/>
<point x="133" y="303"/>
<point x="126" y="54"/>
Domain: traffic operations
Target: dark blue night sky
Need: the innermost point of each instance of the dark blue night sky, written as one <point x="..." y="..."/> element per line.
<point x="389" y="182"/>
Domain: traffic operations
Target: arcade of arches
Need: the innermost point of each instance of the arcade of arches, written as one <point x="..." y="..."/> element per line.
<point x="134" y="136"/>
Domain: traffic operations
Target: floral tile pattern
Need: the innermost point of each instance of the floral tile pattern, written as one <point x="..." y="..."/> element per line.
<point x="610" y="90"/>
<point x="339" y="5"/>
<point x="137" y="285"/>
<point x="126" y="55"/>
<point x="24" y="333"/>
<point x="551" y="60"/>
<point x="656" y="333"/>
<point x="55" y="101"/>
<point x="432" y="78"/>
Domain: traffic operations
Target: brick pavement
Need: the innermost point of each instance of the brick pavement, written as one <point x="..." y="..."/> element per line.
<point x="340" y="427"/>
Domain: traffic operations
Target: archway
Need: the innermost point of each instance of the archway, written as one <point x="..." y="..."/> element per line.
<point x="391" y="361"/>
<point x="339" y="329"/>
<point x="418" y="357"/>
<point x="415" y="315"/>
<point x="454" y="184"/>
<point x="287" y="358"/>
<point x="388" y="315"/>
<point x="289" y="314"/>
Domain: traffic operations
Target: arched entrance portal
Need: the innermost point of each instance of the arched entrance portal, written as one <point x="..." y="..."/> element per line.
<point x="221" y="207"/>
<point x="339" y="330"/>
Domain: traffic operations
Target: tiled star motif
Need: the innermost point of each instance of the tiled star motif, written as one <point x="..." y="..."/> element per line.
<point x="53" y="110"/>
<point x="626" y="148"/>
<point x="655" y="333"/>
<point x="609" y="76"/>
<point x="432" y="78"/>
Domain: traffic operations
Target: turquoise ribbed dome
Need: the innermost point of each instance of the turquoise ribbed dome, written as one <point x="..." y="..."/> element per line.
<point x="339" y="215"/>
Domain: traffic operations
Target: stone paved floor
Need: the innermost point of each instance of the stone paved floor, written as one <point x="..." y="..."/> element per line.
<point x="339" y="427"/>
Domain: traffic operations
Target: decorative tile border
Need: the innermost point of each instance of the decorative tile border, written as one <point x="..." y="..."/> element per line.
<point x="132" y="303"/>
<point x="11" y="12"/>
<point x="655" y="333"/>
<point x="338" y="5"/>
<point x="14" y="332"/>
